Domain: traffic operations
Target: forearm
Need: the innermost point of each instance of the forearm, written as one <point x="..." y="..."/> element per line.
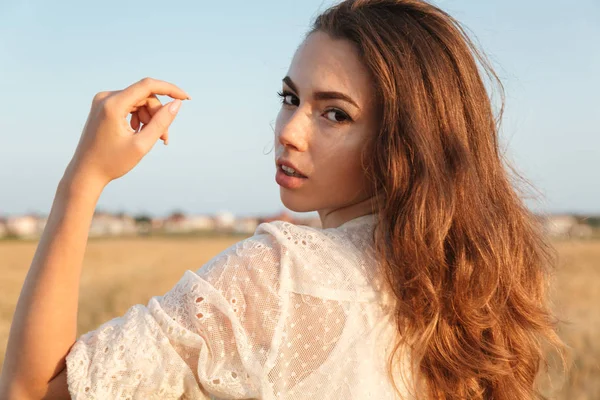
<point x="44" y="325"/>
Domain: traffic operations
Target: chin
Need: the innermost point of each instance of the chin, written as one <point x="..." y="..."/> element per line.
<point x="294" y="202"/>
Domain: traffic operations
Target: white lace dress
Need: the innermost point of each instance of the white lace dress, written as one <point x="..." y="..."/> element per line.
<point x="292" y="312"/>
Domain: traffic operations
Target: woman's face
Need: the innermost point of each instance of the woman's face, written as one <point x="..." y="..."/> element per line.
<point x="327" y="116"/>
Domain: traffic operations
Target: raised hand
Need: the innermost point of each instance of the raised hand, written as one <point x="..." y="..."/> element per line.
<point x="109" y="146"/>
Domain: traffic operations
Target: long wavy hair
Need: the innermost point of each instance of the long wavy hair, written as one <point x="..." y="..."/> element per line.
<point x="467" y="261"/>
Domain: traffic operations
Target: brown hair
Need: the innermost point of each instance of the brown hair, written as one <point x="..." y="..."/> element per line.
<point x="466" y="259"/>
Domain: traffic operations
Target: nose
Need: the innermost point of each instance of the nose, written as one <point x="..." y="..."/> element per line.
<point x="293" y="129"/>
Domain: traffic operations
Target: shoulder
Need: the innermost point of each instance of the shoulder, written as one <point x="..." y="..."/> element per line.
<point x="258" y="257"/>
<point x="287" y="233"/>
<point x="268" y="258"/>
<point x="349" y="239"/>
<point x="336" y="263"/>
<point x="271" y="245"/>
<point x="301" y="259"/>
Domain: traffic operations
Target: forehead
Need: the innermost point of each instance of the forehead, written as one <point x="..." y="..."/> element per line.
<point x="322" y="63"/>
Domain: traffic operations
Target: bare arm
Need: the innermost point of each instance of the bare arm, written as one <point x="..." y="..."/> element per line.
<point x="44" y="326"/>
<point x="45" y="323"/>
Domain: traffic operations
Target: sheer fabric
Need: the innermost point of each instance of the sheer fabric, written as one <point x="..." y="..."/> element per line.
<point x="293" y="312"/>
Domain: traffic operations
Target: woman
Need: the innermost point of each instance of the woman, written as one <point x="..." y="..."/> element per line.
<point x="426" y="281"/>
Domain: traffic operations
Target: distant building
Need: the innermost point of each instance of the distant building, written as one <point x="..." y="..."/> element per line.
<point x="175" y="223"/>
<point x="224" y="221"/>
<point x="25" y="226"/>
<point x="157" y="224"/>
<point x="201" y="222"/>
<point x="181" y="223"/>
<point x="560" y="225"/>
<point x="566" y="226"/>
<point x="581" y="231"/>
<point x="106" y="224"/>
<point x="246" y="225"/>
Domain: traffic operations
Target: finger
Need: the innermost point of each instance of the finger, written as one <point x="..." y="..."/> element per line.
<point x="146" y="109"/>
<point x="153" y="104"/>
<point x="146" y="101"/>
<point x="158" y="125"/>
<point x="130" y="96"/>
<point x="135" y="121"/>
<point x="145" y="116"/>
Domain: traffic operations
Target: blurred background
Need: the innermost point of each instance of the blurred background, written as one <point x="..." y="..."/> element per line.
<point x="214" y="182"/>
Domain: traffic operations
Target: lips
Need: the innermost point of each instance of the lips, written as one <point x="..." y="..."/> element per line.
<point x="289" y="182"/>
<point x="289" y="164"/>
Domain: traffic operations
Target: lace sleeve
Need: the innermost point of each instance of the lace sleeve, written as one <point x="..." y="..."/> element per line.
<point x="209" y="335"/>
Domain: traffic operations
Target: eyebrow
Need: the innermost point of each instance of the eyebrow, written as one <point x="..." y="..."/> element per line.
<point x="322" y="95"/>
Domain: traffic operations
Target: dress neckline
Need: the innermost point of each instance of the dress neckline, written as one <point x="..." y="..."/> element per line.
<point x="358" y="220"/>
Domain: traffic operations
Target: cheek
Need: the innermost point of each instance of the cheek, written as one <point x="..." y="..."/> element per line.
<point x="343" y="171"/>
<point x="279" y="121"/>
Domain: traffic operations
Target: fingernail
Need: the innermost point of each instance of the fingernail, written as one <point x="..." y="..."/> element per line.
<point x="174" y="106"/>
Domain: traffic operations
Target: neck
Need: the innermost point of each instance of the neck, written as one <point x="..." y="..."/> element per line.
<point x="334" y="217"/>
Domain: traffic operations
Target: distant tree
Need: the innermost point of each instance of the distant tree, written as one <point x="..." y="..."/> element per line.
<point x="593" y="221"/>
<point x="177" y="214"/>
<point x="142" y="219"/>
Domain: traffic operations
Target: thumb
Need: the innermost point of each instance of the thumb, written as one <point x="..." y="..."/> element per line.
<point x="159" y="123"/>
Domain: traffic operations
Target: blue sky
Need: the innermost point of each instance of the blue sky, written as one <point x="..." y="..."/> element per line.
<point x="230" y="56"/>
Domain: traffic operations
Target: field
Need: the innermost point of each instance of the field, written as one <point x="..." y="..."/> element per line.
<point x="154" y="265"/>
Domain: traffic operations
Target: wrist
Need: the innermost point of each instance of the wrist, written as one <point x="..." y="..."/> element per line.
<point x="81" y="184"/>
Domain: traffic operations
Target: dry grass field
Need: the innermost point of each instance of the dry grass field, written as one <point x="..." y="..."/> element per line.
<point x="119" y="273"/>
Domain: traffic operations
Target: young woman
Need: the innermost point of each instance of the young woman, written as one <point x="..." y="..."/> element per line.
<point x="426" y="281"/>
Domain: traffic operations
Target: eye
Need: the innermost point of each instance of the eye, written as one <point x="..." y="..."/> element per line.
<point x="338" y="116"/>
<point x="288" y="98"/>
